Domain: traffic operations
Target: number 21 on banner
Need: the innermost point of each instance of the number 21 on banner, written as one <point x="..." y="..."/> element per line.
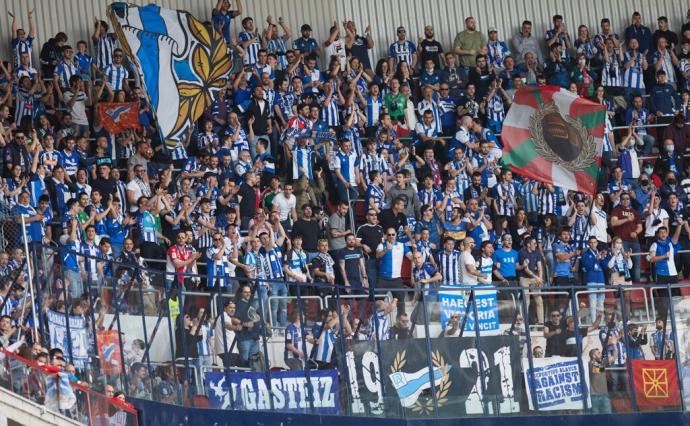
<point x="473" y="404"/>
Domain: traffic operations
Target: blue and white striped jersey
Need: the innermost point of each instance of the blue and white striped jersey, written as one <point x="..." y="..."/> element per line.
<point x="21" y="46"/>
<point x="450" y="267"/>
<point x="402" y="52"/>
<point x="251" y="52"/>
<point x="64" y="71"/>
<point x="347" y="163"/>
<point x="105" y="46"/>
<point x="302" y="161"/>
<point x="115" y="76"/>
<point x="633" y="77"/>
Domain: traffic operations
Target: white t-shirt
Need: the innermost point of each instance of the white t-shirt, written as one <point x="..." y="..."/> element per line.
<point x="337" y="48"/>
<point x="649" y="227"/>
<point x="78" y="110"/>
<point x="599" y="229"/>
<point x="134" y="186"/>
<point x="229" y="336"/>
<point x="284" y="204"/>
<point x="466" y="278"/>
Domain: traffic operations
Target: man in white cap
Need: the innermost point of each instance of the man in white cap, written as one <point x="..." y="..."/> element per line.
<point x="497" y="49"/>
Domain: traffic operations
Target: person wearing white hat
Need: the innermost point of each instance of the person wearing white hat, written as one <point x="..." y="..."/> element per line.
<point x="497" y="49"/>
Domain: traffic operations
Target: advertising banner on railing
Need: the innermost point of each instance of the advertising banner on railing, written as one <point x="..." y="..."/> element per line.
<point x="557" y="383"/>
<point x="250" y="391"/>
<point x="452" y="301"/>
<point x="454" y="365"/>
<point x="77" y="332"/>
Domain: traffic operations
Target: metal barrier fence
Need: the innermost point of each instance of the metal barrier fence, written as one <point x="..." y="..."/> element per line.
<point x="47" y="386"/>
<point x="453" y="354"/>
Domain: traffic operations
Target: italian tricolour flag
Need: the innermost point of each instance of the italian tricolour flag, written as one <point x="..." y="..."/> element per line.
<point x="524" y="154"/>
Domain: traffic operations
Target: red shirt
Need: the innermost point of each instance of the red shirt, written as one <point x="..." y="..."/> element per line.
<point x="176" y="252"/>
<point x="623" y="231"/>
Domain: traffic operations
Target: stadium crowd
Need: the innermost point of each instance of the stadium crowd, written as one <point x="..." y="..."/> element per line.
<point x="320" y="164"/>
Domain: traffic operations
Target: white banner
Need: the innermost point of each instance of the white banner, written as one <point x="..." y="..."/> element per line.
<point x="557" y="383"/>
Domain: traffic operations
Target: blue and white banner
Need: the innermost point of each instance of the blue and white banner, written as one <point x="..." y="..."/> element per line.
<point x="250" y="391"/>
<point x="452" y="301"/>
<point x="557" y="383"/>
<point x="182" y="62"/>
<point x="59" y="392"/>
<point x="57" y="325"/>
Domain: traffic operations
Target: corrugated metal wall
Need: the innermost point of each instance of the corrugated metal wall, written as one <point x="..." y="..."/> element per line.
<point x="75" y="17"/>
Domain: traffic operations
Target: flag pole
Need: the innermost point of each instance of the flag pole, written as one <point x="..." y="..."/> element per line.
<point x="29" y="277"/>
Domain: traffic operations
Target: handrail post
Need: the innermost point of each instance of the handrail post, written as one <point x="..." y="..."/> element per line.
<point x="183" y="335"/>
<point x="39" y="294"/>
<point x="228" y="355"/>
<point x="262" y="330"/>
<point x="530" y="358"/>
<point x="341" y="343"/>
<point x="676" y="353"/>
<point x="480" y="360"/>
<point x="310" y="388"/>
<point x="628" y="363"/>
<point x="429" y="352"/>
<point x="578" y="345"/>
<point x="68" y="307"/>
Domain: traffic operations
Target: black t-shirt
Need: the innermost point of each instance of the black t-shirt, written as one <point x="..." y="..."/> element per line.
<point x="570" y="342"/>
<point x="371" y="235"/>
<point x="555" y="343"/>
<point x="106" y="186"/>
<point x="309" y="230"/>
<point x="389" y="219"/>
<point x="248" y="202"/>
<point x="351" y="258"/>
<point x="430" y="49"/>
<point x="359" y="50"/>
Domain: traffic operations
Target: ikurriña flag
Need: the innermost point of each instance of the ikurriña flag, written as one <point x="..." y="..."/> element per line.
<point x="656" y="383"/>
<point x="117" y="117"/>
<point x="182" y="62"/>
<point x="554" y="136"/>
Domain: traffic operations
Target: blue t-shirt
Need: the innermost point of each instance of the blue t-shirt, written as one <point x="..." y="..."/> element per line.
<point x="506" y="261"/>
<point x="562" y="269"/>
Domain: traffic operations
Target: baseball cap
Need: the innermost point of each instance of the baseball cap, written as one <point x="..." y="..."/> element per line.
<point x="492" y="30"/>
<point x="400" y="28"/>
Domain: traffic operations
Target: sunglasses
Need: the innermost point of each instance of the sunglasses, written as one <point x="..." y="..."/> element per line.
<point x="217" y="240"/>
<point x="391" y="235"/>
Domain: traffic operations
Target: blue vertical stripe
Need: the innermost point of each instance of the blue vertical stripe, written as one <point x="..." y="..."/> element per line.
<point x="148" y="59"/>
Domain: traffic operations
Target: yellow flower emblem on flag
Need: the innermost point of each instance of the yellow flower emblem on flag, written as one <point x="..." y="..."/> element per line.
<point x="655" y="382"/>
<point x="211" y="63"/>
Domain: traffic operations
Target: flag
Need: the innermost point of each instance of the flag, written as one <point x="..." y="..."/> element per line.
<point x="410" y="385"/>
<point x="554" y="136"/>
<point x="656" y="383"/>
<point x="59" y="392"/>
<point x="117" y="117"/>
<point x="182" y="62"/>
<point x="109" y="352"/>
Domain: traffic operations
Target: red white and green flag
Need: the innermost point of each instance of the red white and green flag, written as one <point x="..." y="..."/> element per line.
<point x="554" y="136"/>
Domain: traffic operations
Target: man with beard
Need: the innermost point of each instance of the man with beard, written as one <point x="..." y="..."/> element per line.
<point x="429" y="48"/>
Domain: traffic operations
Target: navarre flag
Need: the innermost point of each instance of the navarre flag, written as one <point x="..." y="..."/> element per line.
<point x="109" y="352"/>
<point x="656" y="383"/>
<point x="117" y="117"/>
<point x="183" y="63"/>
<point x="554" y="136"/>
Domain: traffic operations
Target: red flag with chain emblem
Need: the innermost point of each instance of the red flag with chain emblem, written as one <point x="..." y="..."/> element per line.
<point x="656" y="383"/>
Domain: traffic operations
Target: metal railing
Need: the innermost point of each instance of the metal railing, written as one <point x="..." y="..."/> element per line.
<point x="359" y="364"/>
